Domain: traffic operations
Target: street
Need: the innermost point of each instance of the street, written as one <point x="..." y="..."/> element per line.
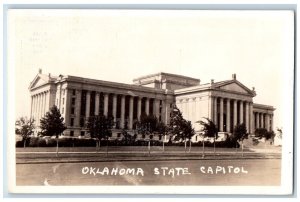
<point x="248" y="172"/>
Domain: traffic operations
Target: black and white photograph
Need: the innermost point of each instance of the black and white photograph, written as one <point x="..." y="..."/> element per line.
<point x="150" y="101"/>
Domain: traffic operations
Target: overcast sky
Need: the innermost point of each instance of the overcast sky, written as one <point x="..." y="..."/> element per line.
<point x="122" y="45"/>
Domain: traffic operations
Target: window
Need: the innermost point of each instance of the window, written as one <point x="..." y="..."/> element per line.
<point x="73" y="101"/>
<point x="72" y="122"/>
<point x="72" y="110"/>
<point x="62" y="111"/>
<point x="74" y="92"/>
<point x="82" y="133"/>
<point x="63" y="100"/>
<point x="81" y="122"/>
<point x="119" y="135"/>
<point x="71" y="133"/>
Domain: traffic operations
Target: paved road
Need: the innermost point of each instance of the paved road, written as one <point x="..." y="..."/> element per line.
<point x="173" y="172"/>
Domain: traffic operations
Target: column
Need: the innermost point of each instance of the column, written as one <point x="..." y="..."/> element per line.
<point x="272" y="121"/>
<point x="47" y="101"/>
<point x="115" y="107"/>
<point x="156" y="107"/>
<point x="147" y="106"/>
<point x="78" y="108"/>
<point x="251" y="118"/>
<point x="167" y="112"/>
<point x="221" y="124"/>
<point x="163" y="111"/>
<point x="130" y="113"/>
<point x="228" y="129"/>
<point x="105" y="104"/>
<point x="234" y="113"/>
<point x="211" y="107"/>
<point x="66" y="106"/>
<point x="122" y="111"/>
<point x="267" y="123"/>
<point x="186" y="111"/>
<point x="97" y="102"/>
<point x="262" y="120"/>
<point x="87" y="104"/>
<point x="139" y="108"/>
<point x="38" y="108"/>
<point x="32" y="105"/>
<point x="241" y="112"/>
<point x="43" y="104"/>
<point x="257" y="120"/>
<point x="247" y="117"/>
<point x="215" y="110"/>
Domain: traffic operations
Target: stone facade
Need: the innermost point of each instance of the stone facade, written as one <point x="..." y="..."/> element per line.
<point x="226" y="103"/>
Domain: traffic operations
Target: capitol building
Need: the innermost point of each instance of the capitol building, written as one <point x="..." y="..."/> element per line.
<point x="227" y="102"/>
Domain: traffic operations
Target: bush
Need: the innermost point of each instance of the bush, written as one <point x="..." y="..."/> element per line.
<point x="85" y="143"/>
<point x="41" y="142"/>
<point x="50" y="142"/>
<point x="19" y="144"/>
<point x="33" y="142"/>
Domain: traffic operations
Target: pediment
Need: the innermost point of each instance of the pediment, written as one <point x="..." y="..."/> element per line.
<point x="38" y="81"/>
<point x="235" y="86"/>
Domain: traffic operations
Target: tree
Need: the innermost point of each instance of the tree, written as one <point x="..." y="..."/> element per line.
<point x="270" y="136"/>
<point x="180" y="127"/>
<point x="127" y="138"/>
<point x="210" y="130"/>
<point x="188" y="133"/>
<point x="264" y="133"/>
<point x="52" y="124"/>
<point x="260" y="133"/>
<point x="100" y="127"/>
<point x="162" y="129"/>
<point x="176" y="120"/>
<point x="24" y="127"/>
<point x="148" y="124"/>
<point x="239" y="134"/>
<point x="279" y="133"/>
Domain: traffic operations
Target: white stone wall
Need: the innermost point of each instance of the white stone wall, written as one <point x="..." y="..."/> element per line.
<point x="194" y="107"/>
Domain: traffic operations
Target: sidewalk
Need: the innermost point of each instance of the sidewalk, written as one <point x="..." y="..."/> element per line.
<point x="75" y="157"/>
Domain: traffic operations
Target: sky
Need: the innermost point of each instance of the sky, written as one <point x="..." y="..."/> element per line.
<point x="121" y="45"/>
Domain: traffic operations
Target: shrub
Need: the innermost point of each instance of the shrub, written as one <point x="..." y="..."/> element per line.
<point x="33" y="142"/>
<point x="41" y="142"/>
<point x="19" y="144"/>
<point x="85" y="143"/>
<point x="50" y="142"/>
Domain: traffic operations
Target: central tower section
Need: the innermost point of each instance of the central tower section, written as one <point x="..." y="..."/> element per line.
<point x="166" y="81"/>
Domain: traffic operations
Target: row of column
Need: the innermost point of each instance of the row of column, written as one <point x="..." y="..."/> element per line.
<point x="263" y="120"/>
<point x="39" y="106"/>
<point x="236" y="104"/>
<point x="156" y="107"/>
